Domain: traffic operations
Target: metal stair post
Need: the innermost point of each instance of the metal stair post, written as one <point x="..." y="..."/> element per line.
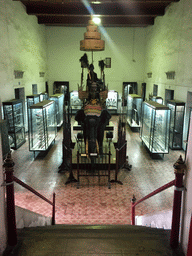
<point x="179" y="168"/>
<point x="11" y="219"/>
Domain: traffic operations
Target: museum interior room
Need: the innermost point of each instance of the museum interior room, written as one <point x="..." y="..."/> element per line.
<point x="95" y="127"/>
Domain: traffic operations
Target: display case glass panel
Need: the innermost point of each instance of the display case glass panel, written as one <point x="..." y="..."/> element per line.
<point x="134" y="106"/>
<point x="13" y="113"/>
<point x="59" y="101"/>
<point x="43" y="96"/>
<point x="112" y="101"/>
<point x="75" y="102"/>
<point x="157" y="99"/>
<point x="155" y="127"/>
<point x="176" y="125"/>
<point x="42" y="125"/>
<point x="32" y="99"/>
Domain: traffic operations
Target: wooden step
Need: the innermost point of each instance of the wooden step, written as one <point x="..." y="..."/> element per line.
<point x="93" y="240"/>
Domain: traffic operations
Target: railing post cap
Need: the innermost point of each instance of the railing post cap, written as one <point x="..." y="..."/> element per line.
<point x="8" y="162"/>
<point x="133" y="200"/>
<point x="179" y="165"/>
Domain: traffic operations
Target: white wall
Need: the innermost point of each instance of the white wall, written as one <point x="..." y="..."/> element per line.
<point x="32" y="48"/>
<point x="22" y="47"/>
<point x="187" y="203"/>
<point x="169" y="48"/>
<point x="3" y="235"/>
<point x="64" y="54"/>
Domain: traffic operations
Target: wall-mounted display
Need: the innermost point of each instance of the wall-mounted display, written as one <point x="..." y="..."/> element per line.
<point x="155" y="127"/>
<point x="134" y="105"/>
<point x="75" y="102"/>
<point x="42" y="125"/>
<point x="59" y="101"/>
<point x="176" y="125"/>
<point x="157" y="99"/>
<point x="112" y="102"/>
<point x="13" y="113"/>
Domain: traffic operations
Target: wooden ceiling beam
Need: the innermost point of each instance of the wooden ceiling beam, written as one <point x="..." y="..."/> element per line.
<point x="112" y="12"/>
<point x="103" y="9"/>
<point x="96" y="1"/>
<point x="120" y="21"/>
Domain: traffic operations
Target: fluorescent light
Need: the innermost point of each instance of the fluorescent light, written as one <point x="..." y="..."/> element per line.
<point x="96" y="2"/>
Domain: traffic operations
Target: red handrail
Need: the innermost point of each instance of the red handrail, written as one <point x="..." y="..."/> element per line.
<point x="189" y="250"/>
<point x="9" y="183"/>
<point x="179" y="168"/>
<point x="39" y="195"/>
<point x="134" y="203"/>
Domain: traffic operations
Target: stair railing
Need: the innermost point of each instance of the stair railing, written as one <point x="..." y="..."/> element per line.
<point x="189" y="250"/>
<point x="9" y="183"/>
<point x="179" y="168"/>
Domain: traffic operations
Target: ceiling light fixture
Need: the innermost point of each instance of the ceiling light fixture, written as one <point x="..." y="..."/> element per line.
<point x="96" y="20"/>
<point x="96" y="2"/>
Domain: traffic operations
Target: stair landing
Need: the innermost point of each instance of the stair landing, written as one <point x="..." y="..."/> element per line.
<point x="84" y="240"/>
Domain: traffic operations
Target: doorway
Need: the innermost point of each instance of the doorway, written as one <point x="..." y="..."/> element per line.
<point x="155" y="90"/>
<point x="34" y="88"/>
<point x="169" y="95"/>
<point x="143" y="91"/>
<point x="47" y="88"/>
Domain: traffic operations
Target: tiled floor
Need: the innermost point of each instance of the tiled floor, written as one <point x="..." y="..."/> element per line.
<point x="93" y="202"/>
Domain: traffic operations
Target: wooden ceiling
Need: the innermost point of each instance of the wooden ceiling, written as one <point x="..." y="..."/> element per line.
<point x="113" y="13"/>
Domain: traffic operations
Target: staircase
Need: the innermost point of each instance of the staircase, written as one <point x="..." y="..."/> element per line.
<point x="81" y="240"/>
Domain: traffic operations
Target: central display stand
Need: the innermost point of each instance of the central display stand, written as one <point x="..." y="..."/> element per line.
<point x="94" y="165"/>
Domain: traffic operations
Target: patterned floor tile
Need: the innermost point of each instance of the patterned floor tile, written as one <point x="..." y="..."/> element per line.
<point x="93" y="202"/>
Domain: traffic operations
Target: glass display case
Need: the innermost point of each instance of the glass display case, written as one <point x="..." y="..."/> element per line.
<point x="61" y="87"/>
<point x="43" y="96"/>
<point x="112" y="102"/>
<point x="134" y="105"/>
<point x="155" y="127"/>
<point x="75" y="102"/>
<point x="176" y="124"/>
<point x="128" y="88"/>
<point x="157" y="99"/>
<point x="42" y="125"/>
<point x="13" y="113"/>
<point x="59" y="101"/>
<point x="32" y="99"/>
